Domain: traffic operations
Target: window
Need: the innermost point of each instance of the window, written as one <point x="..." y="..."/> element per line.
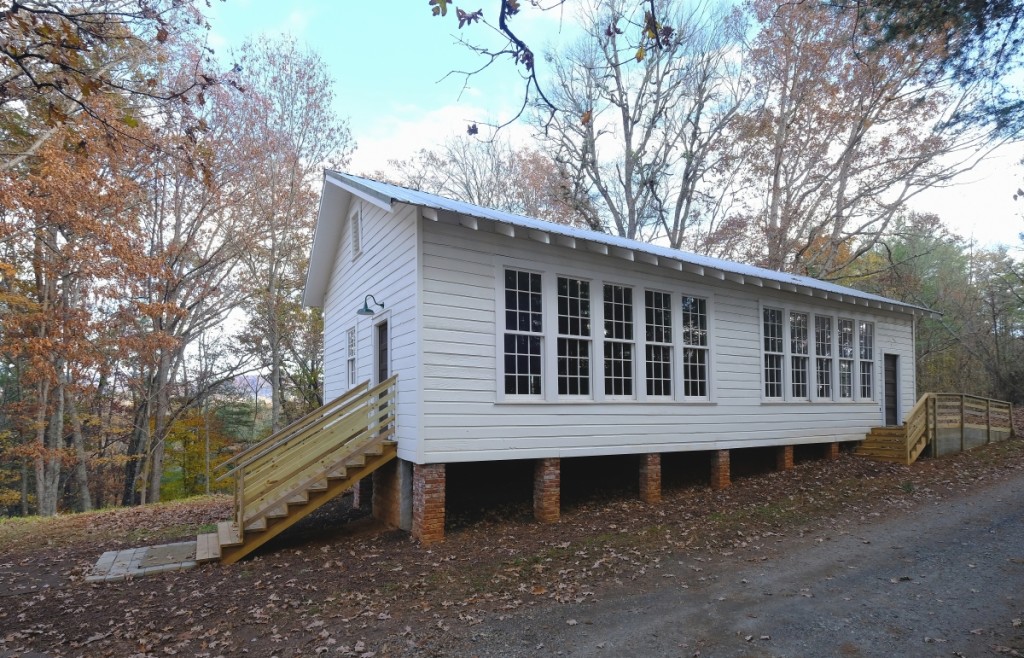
<point x="618" y="340"/>
<point x="773" y="355"/>
<point x="658" y="314"/>
<point x="695" y="347"/>
<point x="523" y="327"/>
<point x="573" y="336"/>
<point x="351" y="357"/>
<point x="846" y="355"/>
<point x="867" y="360"/>
<point x="823" y="350"/>
<point x="798" y="349"/>
<point x="356" y="222"/>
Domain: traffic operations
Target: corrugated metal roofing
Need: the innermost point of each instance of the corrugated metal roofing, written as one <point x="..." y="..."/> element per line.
<point x="387" y="194"/>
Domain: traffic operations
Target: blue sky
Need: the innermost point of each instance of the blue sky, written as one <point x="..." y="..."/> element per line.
<point x="388" y="58"/>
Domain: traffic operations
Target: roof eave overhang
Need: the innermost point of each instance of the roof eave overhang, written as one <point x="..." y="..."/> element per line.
<point x="678" y="264"/>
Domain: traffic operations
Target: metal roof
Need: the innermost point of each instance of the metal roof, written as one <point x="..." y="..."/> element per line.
<point x="385" y="194"/>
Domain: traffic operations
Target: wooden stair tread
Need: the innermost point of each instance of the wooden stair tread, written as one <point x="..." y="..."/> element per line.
<point x="257" y="525"/>
<point x="308" y="466"/>
<point x="227" y="534"/>
<point x="207" y="547"/>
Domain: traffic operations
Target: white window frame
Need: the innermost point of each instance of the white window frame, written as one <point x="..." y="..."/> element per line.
<point x="351" y="363"/>
<point x="869" y="361"/>
<point x="630" y="342"/>
<point x="792" y="355"/>
<point x="597" y="278"/>
<point x="584" y="339"/>
<point x="669" y="344"/>
<point x="834" y="316"/>
<point x="705" y="348"/>
<point x="850" y="360"/>
<point x="502" y="331"/>
<point x="781" y="354"/>
<point x="828" y="358"/>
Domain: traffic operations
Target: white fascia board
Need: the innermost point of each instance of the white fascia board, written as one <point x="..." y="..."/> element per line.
<point x="381" y="201"/>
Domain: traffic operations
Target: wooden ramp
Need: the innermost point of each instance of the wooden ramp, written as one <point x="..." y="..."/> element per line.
<point x="945" y="422"/>
<point x="294" y="472"/>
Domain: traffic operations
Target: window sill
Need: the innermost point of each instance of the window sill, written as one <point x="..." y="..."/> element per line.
<point x="660" y="403"/>
<point x="784" y="403"/>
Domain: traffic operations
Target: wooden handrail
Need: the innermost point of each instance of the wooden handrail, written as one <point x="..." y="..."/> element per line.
<point x="294" y="459"/>
<point x="325" y="421"/>
<point x="356" y="390"/>
<point x="924" y="419"/>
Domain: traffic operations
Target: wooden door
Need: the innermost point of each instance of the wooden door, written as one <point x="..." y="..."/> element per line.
<point x="891" y="389"/>
<point x="382" y="365"/>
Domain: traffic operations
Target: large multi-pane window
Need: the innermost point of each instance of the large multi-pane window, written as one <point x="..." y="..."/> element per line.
<point x="573" y="336"/>
<point x="867" y="360"/>
<point x="658" y="325"/>
<point x="523" y="329"/>
<point x="846" y="356"/>
<point x="618" y="340"/>
<point x="799" y="357"/>
<point x="823" y="352"/>
<point x="773" y="352"/>
<point x="695" y="347"/>
<point x="826" y="358"/>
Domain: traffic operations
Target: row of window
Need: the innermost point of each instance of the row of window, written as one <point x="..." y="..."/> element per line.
<point x="575" y="337"/>
<point x="807" y="356"/>
<point x="835" y="362"/>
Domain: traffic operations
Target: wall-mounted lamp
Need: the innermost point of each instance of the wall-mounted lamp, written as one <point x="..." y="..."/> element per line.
<point x="366" y="310"/>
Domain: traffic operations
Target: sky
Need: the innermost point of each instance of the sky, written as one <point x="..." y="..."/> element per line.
<point x="390" y="59"/>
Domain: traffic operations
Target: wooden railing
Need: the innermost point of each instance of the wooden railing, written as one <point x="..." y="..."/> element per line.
<point x="952" y="422"/>
<point x="320" y="443"/>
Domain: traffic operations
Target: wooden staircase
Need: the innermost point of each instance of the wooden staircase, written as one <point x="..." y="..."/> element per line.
<point x="939" y="417"/>
<point x="891" y="444"/>
<point x="295" y="471"/>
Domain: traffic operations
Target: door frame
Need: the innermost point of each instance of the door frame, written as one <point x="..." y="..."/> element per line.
<point x="378" y="320"/>
<point x="896" y="387"/>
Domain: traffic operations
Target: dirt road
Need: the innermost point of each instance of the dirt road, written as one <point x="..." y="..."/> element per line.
<point x="943" y="580"/>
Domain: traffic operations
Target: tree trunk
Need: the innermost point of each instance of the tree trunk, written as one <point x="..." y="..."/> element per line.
<point x="24" y="487"/>
<point x="51" y="461"/>
<point x="138" y="446"/>
<point x="156" y="460"/>
<point x="81" y="469"/>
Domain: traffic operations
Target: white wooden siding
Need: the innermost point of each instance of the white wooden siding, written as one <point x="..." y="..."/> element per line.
<point x="386" y="268"/>
<point x="464" y="418"/>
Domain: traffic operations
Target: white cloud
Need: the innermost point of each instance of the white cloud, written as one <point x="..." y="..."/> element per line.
<point x="980" y="204"/>
<point x="297" y="22"/>
<point x="403" y="130"/>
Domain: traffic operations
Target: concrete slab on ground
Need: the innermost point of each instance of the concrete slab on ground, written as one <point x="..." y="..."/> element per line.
<point x="143" y="561"/>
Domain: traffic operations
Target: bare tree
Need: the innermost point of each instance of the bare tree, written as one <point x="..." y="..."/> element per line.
<point x="842" y="137"/>
<point x="644" y="127"/>
<point x="494" y="174"/>
<point x="288" y="109"/>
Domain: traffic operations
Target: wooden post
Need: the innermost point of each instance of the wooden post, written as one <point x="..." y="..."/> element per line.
<point x="988" y="420"/>
<point x="962" y="423"/>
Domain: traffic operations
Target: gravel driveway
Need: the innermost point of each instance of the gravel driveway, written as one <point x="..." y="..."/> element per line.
<point x="942" y="580"/>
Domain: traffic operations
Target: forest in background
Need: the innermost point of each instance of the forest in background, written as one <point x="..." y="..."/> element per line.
<point x="157" y="204"/>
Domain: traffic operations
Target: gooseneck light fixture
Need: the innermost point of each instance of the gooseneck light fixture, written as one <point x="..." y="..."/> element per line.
<point x="366" y="310"/>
